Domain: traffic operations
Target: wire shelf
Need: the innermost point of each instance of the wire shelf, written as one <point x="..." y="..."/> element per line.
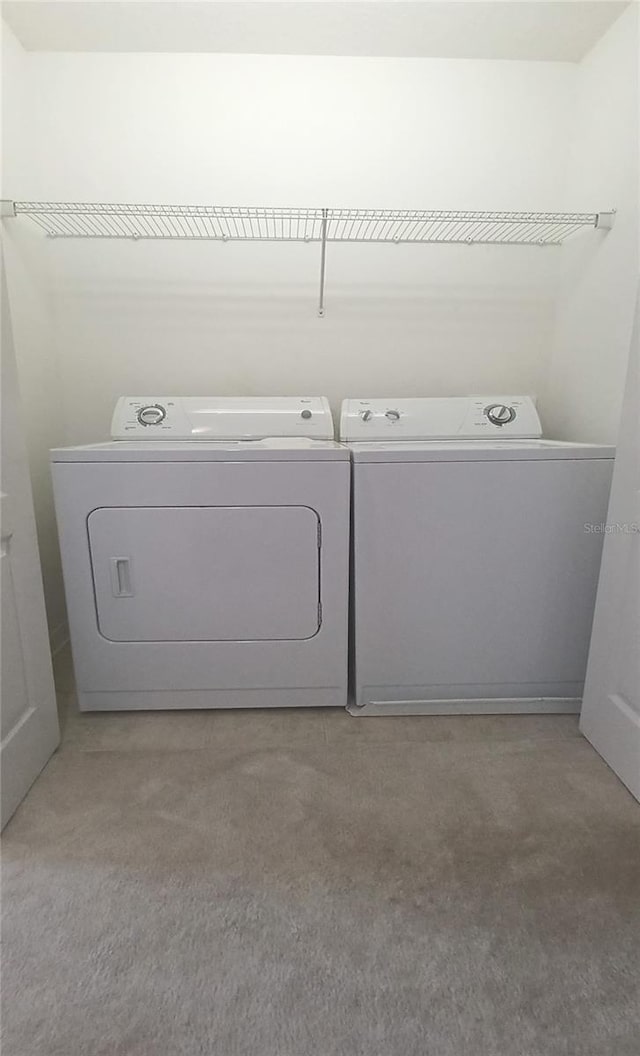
<point x="239" y="223"/>
<point x="432" y="226"/>
<point x="268" y="224"/>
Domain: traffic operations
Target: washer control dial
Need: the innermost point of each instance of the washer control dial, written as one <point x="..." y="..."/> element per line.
<point x="393" y="416"/>
<point x="500" y="413"/>
<point x="366" y="415"/>
<point x="152" y="414"/>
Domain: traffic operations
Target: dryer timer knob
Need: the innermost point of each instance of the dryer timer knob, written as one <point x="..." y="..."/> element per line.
<point x="153" y="414"/>
<point x="500" y="414"/>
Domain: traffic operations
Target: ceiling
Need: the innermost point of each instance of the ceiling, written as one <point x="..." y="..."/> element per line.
<point x="506" y="29"/>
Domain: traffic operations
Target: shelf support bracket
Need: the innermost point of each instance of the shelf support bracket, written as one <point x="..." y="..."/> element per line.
<point x="7" y="207"/>
<point x="604" y="221"/>
<point x="323" y="259"/>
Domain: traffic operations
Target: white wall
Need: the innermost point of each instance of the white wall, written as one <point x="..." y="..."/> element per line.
<point x="307" y="131"/>
<point x="33" y="326"/>
<point x="583" y="393"/>
<point x="241" y="318"/>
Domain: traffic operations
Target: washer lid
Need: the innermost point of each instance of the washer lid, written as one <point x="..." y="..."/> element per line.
<point x="221" y="417"/>
<point x="440" y="418"/>
<point x="473" y="451"/>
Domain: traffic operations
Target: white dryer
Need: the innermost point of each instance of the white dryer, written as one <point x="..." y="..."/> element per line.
<point x="476" y="549"/>
<point x="205" y="555"/>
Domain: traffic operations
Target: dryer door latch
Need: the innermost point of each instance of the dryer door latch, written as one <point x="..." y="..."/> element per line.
<point x="121" y="583"/>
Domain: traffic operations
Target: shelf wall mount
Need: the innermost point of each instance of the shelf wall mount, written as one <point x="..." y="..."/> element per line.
<point x="92" y="220"/>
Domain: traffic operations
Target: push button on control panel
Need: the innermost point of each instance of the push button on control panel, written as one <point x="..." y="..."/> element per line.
<point x="153" y="414"/>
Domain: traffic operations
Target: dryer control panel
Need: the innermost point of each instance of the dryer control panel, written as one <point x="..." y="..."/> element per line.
<point x="440" y="418"/>
<point x="221" y="417"/>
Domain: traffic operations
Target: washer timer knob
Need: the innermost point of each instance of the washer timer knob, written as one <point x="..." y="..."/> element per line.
<point x="153" y="414"/>
<point x="500" y="414"/>
<point x="393" y="416"/>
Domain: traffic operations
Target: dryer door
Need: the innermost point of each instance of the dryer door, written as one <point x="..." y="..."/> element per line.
<point x="206" y="573"/>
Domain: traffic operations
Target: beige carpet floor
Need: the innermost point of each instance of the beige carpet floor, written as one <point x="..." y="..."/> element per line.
<point x="298" y="883"/>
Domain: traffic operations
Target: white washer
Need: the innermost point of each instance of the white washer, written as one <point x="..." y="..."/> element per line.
<point x="205" y="555"/>
<point x="476" y="548"/>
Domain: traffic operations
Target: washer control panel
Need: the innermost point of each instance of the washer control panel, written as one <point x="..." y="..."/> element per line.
<point x="440" y="418"/>
<point x="221" y="418"/>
